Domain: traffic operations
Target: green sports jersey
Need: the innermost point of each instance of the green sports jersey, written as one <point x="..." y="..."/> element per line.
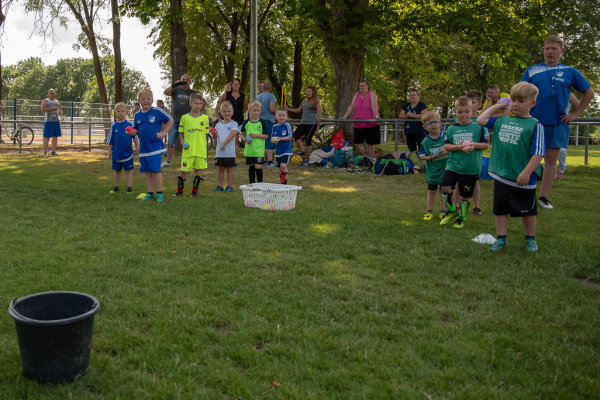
<point x="256" y="148"/>
<point x="194" y="133"/>
<point x="515" y="141"/>
<point x="459" y="161"/>
<point x="435" y="168"/>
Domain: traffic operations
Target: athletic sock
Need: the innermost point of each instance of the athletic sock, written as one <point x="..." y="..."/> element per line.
<point x="116" y="189"/>
<point x="251" y="174"/>
<point x="129" y="189"/>
<point x="528" y="237"/>
<point x="151" y="193"/>
<point x="283" y="177"/>
<point x="448" y="199"/>
<point x="180" y="184"/>
<point x="259" y="175"/>
<point x="157" y="193"/>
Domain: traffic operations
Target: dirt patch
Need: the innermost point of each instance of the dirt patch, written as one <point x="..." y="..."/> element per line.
<point x="588" y="283"/>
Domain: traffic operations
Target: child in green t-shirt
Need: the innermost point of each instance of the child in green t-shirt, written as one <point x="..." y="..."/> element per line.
<point x="476" y="98"/>
<point x="255" y="133"/>
<point x="517" y="152"/>
<point x="193" y="129"/>
<point x="465" y="141"/>
<point x="432" y="150"/>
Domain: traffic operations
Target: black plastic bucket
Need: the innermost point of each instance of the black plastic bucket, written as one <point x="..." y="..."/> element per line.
<point x="54" y="330"/>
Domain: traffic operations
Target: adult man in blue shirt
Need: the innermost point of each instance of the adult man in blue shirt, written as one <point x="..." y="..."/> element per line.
<point x="554" y="81"/>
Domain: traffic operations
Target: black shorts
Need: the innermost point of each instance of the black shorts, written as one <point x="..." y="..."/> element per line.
<point x="227" y="162"/>
<point x="307" y="131"/>
<point x="431" y="186"/>
<point x="370" y="135"/>
<point x="466" y="183"/>
<point x="282" y="160"/>
<point x="255" y="160"/>
<point x="413" y="140"/>
<point x="517" y="202"/>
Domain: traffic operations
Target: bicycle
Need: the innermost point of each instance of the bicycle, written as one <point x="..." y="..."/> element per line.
<point x="23" y="134"/>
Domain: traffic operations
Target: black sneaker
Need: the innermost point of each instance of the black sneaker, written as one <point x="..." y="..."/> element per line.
<point x="194" y="194"/>
<point x="177" y="194"/>
<point x="477" y="211"/>
<point x="545" y="203"/>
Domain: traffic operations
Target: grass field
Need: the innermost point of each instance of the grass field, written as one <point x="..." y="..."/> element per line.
<point x="348" y="296"/>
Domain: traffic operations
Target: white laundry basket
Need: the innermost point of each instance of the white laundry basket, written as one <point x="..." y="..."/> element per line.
<point x="270" y="196"/>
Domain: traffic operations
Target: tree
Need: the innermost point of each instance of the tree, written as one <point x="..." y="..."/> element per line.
<point x="116" y="25"/>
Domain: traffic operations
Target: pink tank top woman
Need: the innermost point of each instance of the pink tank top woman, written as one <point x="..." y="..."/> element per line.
<point x="362" y="110"/>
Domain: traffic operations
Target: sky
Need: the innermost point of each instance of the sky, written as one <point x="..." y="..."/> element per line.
<point x="19" y="43"/>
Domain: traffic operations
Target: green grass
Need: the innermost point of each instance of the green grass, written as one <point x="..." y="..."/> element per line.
<point x="348" y="296"/>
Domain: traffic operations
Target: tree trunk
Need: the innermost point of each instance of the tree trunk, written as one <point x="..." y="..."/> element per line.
<point x="297" y="83"/>
<point x="178" y="47"/>
<point x="116" y="25"/>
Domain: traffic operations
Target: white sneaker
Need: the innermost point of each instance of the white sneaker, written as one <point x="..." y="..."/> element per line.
<point x="165" y="164"/>
<point x="545" y="203"/>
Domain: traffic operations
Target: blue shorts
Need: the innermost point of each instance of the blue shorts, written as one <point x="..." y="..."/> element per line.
<point x="150" y="163"/>
<point x="268" y="144"/>
<point x="126" y="165"/>
<point x="173" y="133"/>
<point x="556" y="136"/>
<point x="282" y="160"/>
<point x="52" y="129"/>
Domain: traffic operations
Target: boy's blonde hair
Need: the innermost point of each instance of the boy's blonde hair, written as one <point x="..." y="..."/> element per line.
<point x="463" y="101"/>
<point x="554" y="39"/>
<point x="430" y="116"/>
<point x="279" y="109"/>
<point x="254" y="104"/>
<point x="524" y="91"/>
<point x="146" y="92"/>
<point x="196" y="96"/>
<point x="121" y="105"/>
<point x="226" y="105"/>
<point x="474" y="95"/>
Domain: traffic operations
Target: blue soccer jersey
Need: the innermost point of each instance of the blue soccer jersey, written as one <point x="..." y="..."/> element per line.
<point x="554" y="83"/>
<point x="148" y="124"/>
<point x="121" y="141"/>
<point x="283" y="131"/>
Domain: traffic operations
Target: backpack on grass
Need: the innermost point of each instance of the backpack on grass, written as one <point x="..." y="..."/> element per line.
<point x="392" y="166"/>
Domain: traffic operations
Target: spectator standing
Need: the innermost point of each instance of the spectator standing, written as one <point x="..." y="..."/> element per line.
<point x="414" y="109"/>
<point x="267" y="114"/>
<point x="364" y="106"/>
<point x="52" y="112"/>
<point x="310" y="122"/>
<point x="238" y="101"/>
<point x="554" y="81"/>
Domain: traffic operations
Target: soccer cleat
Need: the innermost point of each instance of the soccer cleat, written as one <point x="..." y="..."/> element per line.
<point x="194" y="194"/>
<point x="498" y="245"/>
<point x="545" y="203"/>
<point x="129" y="192"/>
<point x="141" y="196"/>
<point x="147" y="196"/>
<point x="427" y="217"/>
<point x="477" y="211"/>
<point x="559" y="174"/>
<point x="45" y="154"/>
<point x="459" y="224"/>
<point x="53" y="153"/>
<point x="159" y="198"/>
<point x="177" y="194"/>
<point x="531" y="245"/>
<point x="165" y="164"/>
<point x="228" y="189"/>
<point x="218" y="189"/>
<point x="448" y="217"/>
<point x="113" y="191"/>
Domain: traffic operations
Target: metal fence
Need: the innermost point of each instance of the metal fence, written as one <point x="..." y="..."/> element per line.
<point x="83" y="124"/>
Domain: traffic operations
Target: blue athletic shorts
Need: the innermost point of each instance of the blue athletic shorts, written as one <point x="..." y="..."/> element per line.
<point x="125" y="165"/>
<point x="172" y="136"/>
<point x="556" y="136"/>
<point x="52" y="129"/>
<point x="282" y="160"/>
<point x="151" y="163"/>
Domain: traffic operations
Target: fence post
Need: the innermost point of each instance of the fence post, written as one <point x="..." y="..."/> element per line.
<point x="587" y="138"/>
<point x="15" y="115"/>
<point x="396" y="135"/>
<point x="90" y="135"/>
<point x="72" y="122"/>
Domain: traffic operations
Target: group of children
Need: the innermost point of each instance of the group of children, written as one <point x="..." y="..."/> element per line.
<point x="151" y="125"/>
<point x="454" y="159"/>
